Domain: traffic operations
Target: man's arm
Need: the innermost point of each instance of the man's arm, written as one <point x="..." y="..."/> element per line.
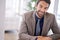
<point x="23" y="35"/>
<point x="55" y="29"/>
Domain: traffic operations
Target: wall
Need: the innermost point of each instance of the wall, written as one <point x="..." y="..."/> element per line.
<point x="2" y="14"/>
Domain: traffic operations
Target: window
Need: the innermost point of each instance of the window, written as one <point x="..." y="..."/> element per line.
<point x="58" y="13"/>
<point x="12" y="8"/>
<point x="11" y="15"/>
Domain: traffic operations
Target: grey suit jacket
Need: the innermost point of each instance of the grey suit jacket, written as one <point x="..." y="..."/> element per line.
<point x="27" y="27"/>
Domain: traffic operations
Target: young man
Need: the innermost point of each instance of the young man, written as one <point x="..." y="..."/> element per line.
<point x="36" y="24"/>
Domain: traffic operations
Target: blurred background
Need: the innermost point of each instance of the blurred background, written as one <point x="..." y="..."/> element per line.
<point x="11" y="12"/>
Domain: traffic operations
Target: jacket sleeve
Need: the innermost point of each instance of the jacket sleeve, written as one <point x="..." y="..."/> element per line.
<point x="55" y="29"/>
<point x="23" y="34"/>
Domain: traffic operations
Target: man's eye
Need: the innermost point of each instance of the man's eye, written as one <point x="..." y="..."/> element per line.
<point x="40" y="6"/>
<point x="46" y="8"/>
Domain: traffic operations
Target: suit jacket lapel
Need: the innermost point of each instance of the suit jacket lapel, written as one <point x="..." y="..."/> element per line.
<point x="33" y="22"/>
<point x="45" y="27"/>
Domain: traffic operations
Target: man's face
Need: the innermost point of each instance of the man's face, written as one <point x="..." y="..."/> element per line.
<point x="41" y="8"/>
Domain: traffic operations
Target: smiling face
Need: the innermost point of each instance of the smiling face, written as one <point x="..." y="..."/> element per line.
<point x="41" y="8"/>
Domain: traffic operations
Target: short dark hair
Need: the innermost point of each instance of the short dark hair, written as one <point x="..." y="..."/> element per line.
<point x="47" y="1"/>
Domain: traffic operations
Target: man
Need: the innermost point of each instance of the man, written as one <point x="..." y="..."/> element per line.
<point x="36" y="24"/>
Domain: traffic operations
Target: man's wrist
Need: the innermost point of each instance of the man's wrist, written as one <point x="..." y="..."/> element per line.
<point x="36" y="38"/>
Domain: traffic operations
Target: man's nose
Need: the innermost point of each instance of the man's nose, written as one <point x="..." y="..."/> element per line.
<point x="42" y="10"/>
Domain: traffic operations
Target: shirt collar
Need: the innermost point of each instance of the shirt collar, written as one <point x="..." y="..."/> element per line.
<point x="36" y="15"/>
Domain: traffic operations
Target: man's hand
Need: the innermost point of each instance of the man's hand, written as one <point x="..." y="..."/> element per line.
<point x="39" y="37"/>
<point x="43" y="38"/>
<point x="58" y="39"/>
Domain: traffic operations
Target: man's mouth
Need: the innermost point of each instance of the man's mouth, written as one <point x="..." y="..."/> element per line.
<point x="40" y="12"/>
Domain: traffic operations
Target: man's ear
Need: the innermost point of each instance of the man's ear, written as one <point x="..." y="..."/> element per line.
<point x="35" y="6"/>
